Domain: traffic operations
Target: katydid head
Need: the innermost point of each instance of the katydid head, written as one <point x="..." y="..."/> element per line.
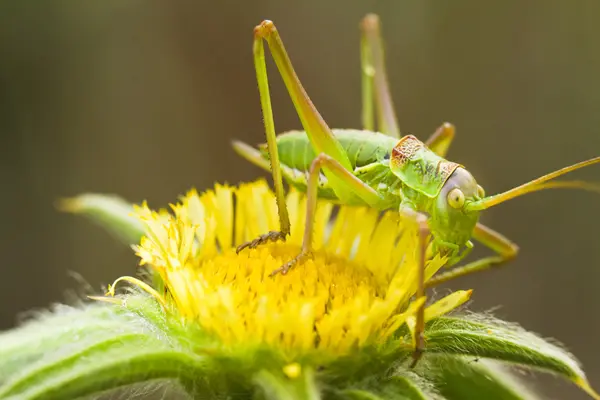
<point x="447" y="185"/>
<point x="456" y="209"/>
<point x="450" y="222"/>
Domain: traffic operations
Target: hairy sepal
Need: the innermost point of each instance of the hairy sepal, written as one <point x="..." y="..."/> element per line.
<point x="405" y="385"/>
<point x="457" y="377"/>
<point x="274" y="385"/>
<point x="81" y="351"/>
<point x="486" y="337"/>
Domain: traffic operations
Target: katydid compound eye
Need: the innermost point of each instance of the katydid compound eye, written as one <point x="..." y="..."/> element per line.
<point x="480" y="192"/>
<point x="456" y="198"/>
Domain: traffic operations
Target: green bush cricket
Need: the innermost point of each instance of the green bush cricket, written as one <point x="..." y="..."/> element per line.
<point x="380" y="169"/>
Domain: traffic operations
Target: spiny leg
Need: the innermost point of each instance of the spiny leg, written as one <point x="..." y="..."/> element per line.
<point x="358" y="187"/>
<point x="439" y="142"/>
<point x="321" y="137"/>
<point x="374" y="76"/>
<point x="271" y="236"/>
<point x="424" y="232"/>
<point x="505" y="249"/>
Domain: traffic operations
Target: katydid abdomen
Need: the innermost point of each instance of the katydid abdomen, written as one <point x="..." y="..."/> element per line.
<point x="368" y="152"/>
<point x="362" y="147"/>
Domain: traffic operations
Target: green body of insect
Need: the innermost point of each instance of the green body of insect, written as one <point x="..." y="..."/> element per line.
<point x="380" y="170"/>
<point x="401" y="171"/>
<point x="368" y="153"/>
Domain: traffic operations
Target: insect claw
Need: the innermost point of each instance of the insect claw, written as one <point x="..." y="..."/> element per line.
<point x="272" y="236"/>
<point x="284" y="269"/>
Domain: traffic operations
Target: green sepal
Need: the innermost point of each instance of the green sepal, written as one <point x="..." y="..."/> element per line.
<point x="80" y="351"/>
<point x="275" y="385"/>
<point x="487" y="337"/>
<point x="109" y="211"/>
<point x="360" y="394"/>
<point x="114" y="214"/>
<point x="458" y="378"/>
<point x="407" y="386"/>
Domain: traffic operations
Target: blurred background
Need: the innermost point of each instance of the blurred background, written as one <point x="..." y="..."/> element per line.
<point x="142" y="98"/>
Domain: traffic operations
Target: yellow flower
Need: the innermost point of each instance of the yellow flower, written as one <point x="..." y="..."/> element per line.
<point x="355" y="292"/>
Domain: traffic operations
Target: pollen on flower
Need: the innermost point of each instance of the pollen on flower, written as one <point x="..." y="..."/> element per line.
<point x="292" y="370"/>
<point x="355" y="291"/>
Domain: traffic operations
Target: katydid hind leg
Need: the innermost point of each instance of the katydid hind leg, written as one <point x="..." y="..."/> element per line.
<point x="319" y="133"/>
<point x="374" y="78"/>
<point x="367" y="73"/>
<point x="505" y="251"/>
<point x="424" y="233"/>
<point x="358" y="187"/>
<point x="267" y="110"/>
<point x="439" y="142"/>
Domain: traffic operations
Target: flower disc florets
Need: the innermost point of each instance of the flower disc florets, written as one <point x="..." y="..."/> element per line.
<point x="355" y="291"/>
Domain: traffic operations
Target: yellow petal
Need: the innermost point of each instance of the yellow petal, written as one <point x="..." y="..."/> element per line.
<point x="447" y="304"/>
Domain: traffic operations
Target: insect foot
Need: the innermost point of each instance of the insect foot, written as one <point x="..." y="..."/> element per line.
<point x="272" y="236"/>
<point x="304" y="255"/>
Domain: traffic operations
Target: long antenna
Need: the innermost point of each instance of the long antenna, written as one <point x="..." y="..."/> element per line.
<point x="538" y="184"/>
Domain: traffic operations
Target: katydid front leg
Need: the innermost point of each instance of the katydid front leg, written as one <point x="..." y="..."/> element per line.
<point x="352" y="183"/>
<point x="505" y="249"/>
<point x="408" y="211"/>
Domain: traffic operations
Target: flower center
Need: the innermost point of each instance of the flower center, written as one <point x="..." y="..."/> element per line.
<point x="324" y="301"/>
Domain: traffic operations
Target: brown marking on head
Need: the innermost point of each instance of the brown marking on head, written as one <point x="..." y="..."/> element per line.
<point x="445" y="169"/>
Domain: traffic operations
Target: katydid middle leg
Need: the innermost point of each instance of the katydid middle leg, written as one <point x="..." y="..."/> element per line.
<point x="374" y="77"/>
<point x="505" y="249"/>
<point x="439" y="142"/>
<point x="408" y="211"/>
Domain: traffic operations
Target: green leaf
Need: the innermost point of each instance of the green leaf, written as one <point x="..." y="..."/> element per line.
<point x="109" y="211"/>
<point x="79" y="351"/>
<point x="489" y="338"/>
<point x="459" y="378"/>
